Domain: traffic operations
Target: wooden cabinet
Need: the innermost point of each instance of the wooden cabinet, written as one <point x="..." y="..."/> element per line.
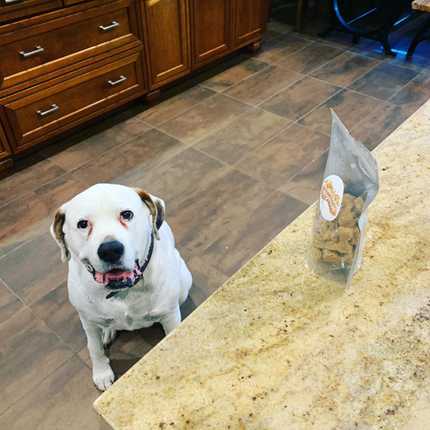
<point x="249" y="20"/>
<point x="167" y="40"/>
<point x="211" y="29"/>
<point x="49" y="111"/>
<point x="13" y="9"/>
<point x="44" y="47"/>
<point x="63" y="62"/>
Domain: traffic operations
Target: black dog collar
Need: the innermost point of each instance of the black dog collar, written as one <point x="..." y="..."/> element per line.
<point x="142" y="268"/>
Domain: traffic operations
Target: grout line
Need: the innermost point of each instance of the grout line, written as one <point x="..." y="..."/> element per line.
<point x="16" y="248"/>
<point x="37" y="317"/>
<point x="301" y="171"/>
<point x="187" y="109"/>
<point x="266" y="66"/>
<point x="39" y="383"/>
<point x="38" y="187"/>
<point x="13" y="292"/>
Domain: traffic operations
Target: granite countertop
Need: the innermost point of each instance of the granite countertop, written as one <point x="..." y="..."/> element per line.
<point x="279" y="348"/>
<point x="423" y="5"/>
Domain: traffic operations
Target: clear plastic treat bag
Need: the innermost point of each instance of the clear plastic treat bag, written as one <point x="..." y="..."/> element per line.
<point x="350" y="184"/>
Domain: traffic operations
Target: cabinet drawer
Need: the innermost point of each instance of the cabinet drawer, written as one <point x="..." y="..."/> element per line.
<point x="49" y="112"/>
<point x="13" y="9"/>
<point x="40" y="48"/>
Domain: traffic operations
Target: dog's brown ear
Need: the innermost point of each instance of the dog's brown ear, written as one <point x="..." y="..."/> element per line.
<point x="58" y="234"/>
<point x="157" y="208"/>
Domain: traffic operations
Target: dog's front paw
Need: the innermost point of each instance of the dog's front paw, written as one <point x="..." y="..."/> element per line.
<point x="103" y="378"/>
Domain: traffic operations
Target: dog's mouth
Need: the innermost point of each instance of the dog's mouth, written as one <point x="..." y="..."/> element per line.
<point x="117" y="278"/>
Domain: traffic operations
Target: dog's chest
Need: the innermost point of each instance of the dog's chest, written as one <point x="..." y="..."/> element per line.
<point x="129" y="314"/>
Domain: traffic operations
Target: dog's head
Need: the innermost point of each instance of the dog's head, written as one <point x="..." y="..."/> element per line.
<point x="109" y="228"/>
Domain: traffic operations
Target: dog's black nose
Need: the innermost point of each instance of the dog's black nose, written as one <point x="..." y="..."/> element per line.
<point x="111" y="251"/>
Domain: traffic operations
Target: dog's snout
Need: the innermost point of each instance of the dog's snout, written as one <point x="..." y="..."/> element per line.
<point x="111" y="251"/>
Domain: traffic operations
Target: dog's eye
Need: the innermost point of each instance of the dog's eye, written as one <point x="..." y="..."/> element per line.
<point x="127" y="215"/>
<point x="83" y="224"/>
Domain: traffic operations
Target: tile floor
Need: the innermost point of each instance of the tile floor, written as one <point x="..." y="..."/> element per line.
<point x="237" y="154"/>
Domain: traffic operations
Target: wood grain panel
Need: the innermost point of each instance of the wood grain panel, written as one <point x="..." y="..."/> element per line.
<point x="58" y="42"/>
<point x="25" y="8"/>
<point x="75" y="98"/>
<point x="211" y="29"/>
<point x="249" y="18"/>
<point x="166" y="26"/>
<point x="4" y="147"/>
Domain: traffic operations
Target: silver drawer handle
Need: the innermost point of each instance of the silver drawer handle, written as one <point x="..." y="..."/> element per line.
<point x="118" y="81"/>
<point x="28" y="54"/>
<point x="12" y="1"/>
<point x="43" y="113"/>
<point x="111" y="26"/>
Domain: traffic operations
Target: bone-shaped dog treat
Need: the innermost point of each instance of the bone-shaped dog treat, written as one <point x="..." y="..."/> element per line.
<point x="335" y="241"/>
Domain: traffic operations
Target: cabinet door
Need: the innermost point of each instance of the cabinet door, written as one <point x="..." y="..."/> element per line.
<point x="166" y="37"/>
<point x="211" y="29"/>
<point x="249" y="20"/>
<point x="4" y="147"/>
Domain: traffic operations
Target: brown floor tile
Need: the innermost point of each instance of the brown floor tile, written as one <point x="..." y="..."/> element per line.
<point x="205" y="215"/>
<point x="34" y="269"/>
<point x="207" y="278"/>
<point x="243" y="135"/>
<point x="351" y="107"/>
<point x="274" y="51"/>
<point x="21" y="221"/>
<point x="345" y="69"/>
<point x="284" y="156"/>
<point x="300" y="98"/>
<point x="174" y="106"/>
<point x="306" y="185"/>
<point x="9" y="304"/>
<point x="205" y="118"/>
<point x="61" y="317"/>
<point x="59" y="191"/>
<point x="263" y="85"/>
<point x="29" y="353"/>
<point x="62" y="401"/>
<point x="236" y="247"/>
<point x="382" y="122"/>
<point x="278" y="28"/>
<point x="30" y="216"/>
<point x="179" y="177"/>
<point x="21" y="183"/>
<point x="148" y="150"/>
<point x="92" y="142"/>
<point x="233" y="75"/>
<point x="310" y="57"/>
<point x="384" y="81"/>
<point x="415" y="93"/>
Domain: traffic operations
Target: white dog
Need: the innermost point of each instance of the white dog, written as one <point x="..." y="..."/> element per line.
<point x="124" y="270"/>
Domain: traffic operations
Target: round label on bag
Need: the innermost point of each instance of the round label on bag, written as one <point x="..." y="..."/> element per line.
<point x="331" y="196"/>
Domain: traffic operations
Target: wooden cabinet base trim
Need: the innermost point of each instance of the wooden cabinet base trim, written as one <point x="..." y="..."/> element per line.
<point x="254" y="47"/>
<point x="153" y="96"/>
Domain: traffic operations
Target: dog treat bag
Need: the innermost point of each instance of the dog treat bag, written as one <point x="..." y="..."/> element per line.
<point x="349" y="186"/>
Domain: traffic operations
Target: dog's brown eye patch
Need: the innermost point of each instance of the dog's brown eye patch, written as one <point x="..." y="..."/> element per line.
<point x="83" y="224"/>
<point x="127" y="215"/>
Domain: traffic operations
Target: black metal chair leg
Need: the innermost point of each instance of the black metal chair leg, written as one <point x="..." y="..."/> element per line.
<point x="419" y="37"/>
<point x="332" y="22"/>
<point x="385" y="41"/>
